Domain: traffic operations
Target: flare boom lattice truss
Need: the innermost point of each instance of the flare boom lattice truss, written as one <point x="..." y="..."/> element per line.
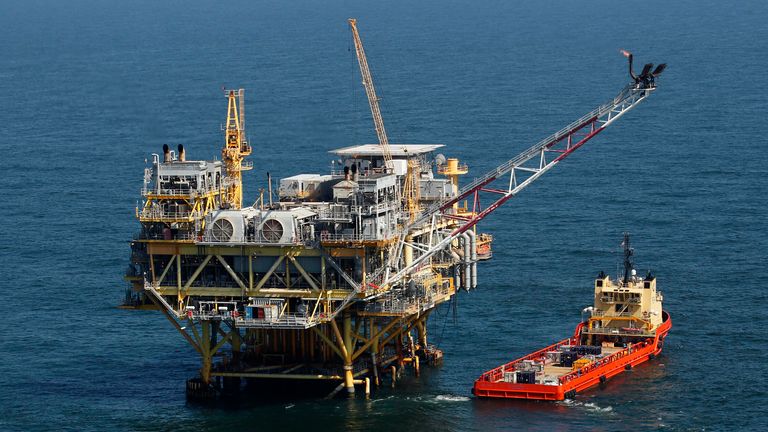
<point x="523" y="169"/>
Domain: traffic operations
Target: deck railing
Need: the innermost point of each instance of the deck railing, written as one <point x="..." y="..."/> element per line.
<point x="497" y="374"/>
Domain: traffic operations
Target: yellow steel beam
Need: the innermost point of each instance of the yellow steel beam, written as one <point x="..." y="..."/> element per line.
<point x="303" y="272"/>
<point x="250" y="272"/>
<point x="317" y="303"/>
<point x="178" y="276"/>
<point x="221" y="343"/>
<point x="344" y="352"/>
<point x="176" y="324"/>
<point x="276" y="376"/>
<point x="165" y="272"/>
<point x="197" y="272"/>
<point x="328" y="342"/>
<point x="399" y="332"/>
<point x="373" y="339"/>
<point x="265" y="292"/>
<point x="381" y="314"/>
<point x="195" y="332"/>
<point x="231" y="272"/>
<point x="173" y="247"/>
<point x="356" y="331"/>
<point x="152" y="266"/>
<point x="269" y="272"/>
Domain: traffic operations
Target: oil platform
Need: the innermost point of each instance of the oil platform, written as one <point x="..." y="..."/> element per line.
<point x="332" y="281"/>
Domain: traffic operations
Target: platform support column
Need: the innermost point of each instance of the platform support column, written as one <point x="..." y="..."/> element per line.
<point x="347" y="342"/>
<point x="205" y="348"/>
<point x="236" y="342"/>
<point x="421" y="325"/>
<point x="374" y="335"/>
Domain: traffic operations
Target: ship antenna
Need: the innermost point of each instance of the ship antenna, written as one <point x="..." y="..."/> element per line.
<point x="628" y="252"/>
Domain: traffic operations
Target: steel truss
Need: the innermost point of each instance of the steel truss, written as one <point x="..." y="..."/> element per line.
<point x="523" y="170"/>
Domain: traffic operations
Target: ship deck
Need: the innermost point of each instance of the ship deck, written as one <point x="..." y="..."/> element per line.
<point x="557" y="371"/>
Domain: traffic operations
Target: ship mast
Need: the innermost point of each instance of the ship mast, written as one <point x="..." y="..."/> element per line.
<point x="628" y="252"/>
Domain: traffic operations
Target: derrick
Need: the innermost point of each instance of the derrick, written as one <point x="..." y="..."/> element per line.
<point x="235" y="149"/>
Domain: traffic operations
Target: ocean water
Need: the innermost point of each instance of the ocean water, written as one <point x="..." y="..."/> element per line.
<point x="89" y="89"/>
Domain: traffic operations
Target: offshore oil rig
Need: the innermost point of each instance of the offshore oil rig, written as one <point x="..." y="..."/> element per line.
<point x="332" y="282"/>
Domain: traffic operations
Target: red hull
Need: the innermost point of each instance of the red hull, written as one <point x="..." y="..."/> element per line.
<point x="491" y="384"/>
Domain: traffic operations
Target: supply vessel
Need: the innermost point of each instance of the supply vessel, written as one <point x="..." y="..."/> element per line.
<point x="626" y="327"/>
<point x="328" y="279"/>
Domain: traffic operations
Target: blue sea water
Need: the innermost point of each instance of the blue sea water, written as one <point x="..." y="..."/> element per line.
<point x="88" y="89"/>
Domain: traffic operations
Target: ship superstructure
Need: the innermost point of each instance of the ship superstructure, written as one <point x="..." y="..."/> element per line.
<point x="335" y="278"/>
<point x="629" y="306"/>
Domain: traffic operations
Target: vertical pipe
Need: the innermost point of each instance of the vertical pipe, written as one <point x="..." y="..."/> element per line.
<point x="322" y="273"/>
<point x="408" y="252"/>
<point x="178" y="278"/>
<point x="466" y="258"/>
<point x="473" y="257"/>
<point x="456" y="270"/>
<point x="375" y="334"/>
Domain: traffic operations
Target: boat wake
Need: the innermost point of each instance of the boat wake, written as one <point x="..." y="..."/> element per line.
<point x="451" y="398"/>
<point x="588" y="406"/>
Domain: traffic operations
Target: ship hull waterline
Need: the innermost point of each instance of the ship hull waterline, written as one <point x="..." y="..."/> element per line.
<point x="490" y="384"/>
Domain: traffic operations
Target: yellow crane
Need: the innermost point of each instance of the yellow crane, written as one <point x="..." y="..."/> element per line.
<point x="410" y="197"/>
<point x="236" y="148"/>
<point x="373" y="100"/>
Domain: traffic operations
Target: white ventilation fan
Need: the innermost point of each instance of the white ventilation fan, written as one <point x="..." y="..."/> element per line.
<point x="222" y="230"/>
<point x="227" y="226"/>
<point x="272" y="231"/>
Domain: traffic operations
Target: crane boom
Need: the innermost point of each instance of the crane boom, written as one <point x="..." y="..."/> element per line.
<point x="523" y="169"/>
<point x="373" y="100"/>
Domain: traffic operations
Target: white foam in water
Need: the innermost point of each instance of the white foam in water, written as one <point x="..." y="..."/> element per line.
<point x="383" y="399"/>
<point x="593" y="407"/>
<point x="589" y="406"/>
<point x="289" y="406"/>
<point x="451" y="398"/>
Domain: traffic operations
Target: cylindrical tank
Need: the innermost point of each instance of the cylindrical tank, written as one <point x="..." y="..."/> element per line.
<point x="473" y="257"/>
<point x="467" y="265"/>
<point x="456" y="270"/>
<point x="408" y="251"/>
